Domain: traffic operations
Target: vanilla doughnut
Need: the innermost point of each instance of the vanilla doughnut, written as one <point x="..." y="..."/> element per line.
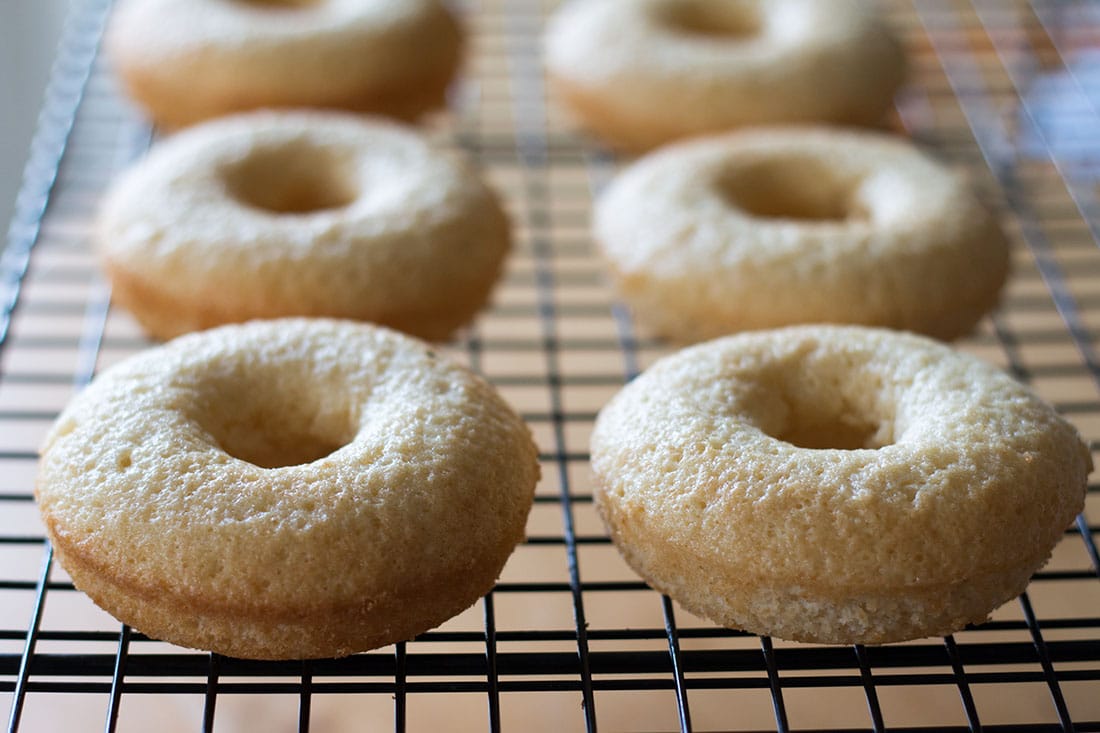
<point x="285" y="489"/>
<point x="188" y="60"/>
<point x="640" y="73"/>
<point x="301" y="214"/>
<point x="835" y="484"/>
<point x="766" y="228"/>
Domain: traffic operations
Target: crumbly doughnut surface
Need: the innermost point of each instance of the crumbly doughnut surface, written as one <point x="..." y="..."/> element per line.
<point x="189" y="60"/>
<point x="285" y="489"/>
<point x="640" y="73"/>
<point x="773" y="227"/>
<point x="835" y="484"/>
<point x="270" y="214"/>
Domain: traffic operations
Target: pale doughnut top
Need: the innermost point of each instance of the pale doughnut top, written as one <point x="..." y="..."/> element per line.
<point x="202" y="210"/>
<point x="690" y="203"/>
<point x="189" y="60"/>
<point x="737" y="61"/>
<point x="151" y="473"/>
<point x="596" y="40"/>
<point x="775" y="226"/>
<point x="964" y="470"/>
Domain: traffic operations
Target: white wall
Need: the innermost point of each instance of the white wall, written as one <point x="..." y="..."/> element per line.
<point x="29" y="31"/>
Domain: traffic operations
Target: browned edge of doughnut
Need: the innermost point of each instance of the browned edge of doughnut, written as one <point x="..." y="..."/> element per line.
<point x="590" y="110"/>
<point x="319" y="631"/>
<point x="164" y="316"/>
<point x="861" y="616"/>
<point x="943" y="321"/>
<point x="407" y="102"/>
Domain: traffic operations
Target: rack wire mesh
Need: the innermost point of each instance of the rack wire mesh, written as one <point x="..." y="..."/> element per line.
<point x="1008" y="92"/>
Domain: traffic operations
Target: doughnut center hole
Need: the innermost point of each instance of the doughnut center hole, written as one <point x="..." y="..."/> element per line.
<point x="825" y="401"/>
<point x="275" y="417"/>
<point x="720" y="21"/>
<point x="842" y="432"/>
<point x="296" y="179"/>
<point x="271" y="451"/>
<point x="790" y="189"/>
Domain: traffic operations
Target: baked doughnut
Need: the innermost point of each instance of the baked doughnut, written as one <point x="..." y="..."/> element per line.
<point x="285" y="489"/>
<point x="188" y="60"/>
<point x="771" y="227"/>
<point x="640" y="73"/>
<point x="835" y="484"/>
<point x="301" y="214"/>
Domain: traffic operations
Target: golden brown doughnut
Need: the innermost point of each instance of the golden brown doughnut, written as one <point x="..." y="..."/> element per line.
<point x="835" y="484"/>
<point x="640" y="73"/>
<point x="772" y="227"/>
<point x="189" y="60"/>
<point x="271" y="214"/>
<point x="289" y="488"/>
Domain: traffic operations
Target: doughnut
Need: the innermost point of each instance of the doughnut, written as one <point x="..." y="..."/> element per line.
<point x="185" y="61"/>
<point x="295" y="488"/>
<point x="774" y="227"/>
<point x="274" y="214"/>
<point x="835" y="484"/>
<point x="640" y="73"/>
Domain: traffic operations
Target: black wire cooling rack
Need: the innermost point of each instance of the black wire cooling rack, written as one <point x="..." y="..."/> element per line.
<point x="570" y="639"/>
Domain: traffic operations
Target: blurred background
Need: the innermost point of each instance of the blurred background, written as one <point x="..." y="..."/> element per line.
<point x="29" y="31"/>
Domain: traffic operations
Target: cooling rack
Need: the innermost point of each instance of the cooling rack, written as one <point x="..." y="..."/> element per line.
<point x="1006" y="92"/>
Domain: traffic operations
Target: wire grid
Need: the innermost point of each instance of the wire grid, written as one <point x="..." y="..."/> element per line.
<point x="570" y="639"/>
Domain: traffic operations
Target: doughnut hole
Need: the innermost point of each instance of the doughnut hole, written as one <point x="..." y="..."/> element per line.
<point x="295" y="179"/>
<point x="825" y="403"/>
<point x="791" y="188"/>
<point x="273" y="418"/>
<point x="708" y="19"/>
<point x="824" y="429"/>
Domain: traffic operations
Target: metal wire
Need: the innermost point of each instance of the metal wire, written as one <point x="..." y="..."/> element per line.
<point x="578" y="630"/>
